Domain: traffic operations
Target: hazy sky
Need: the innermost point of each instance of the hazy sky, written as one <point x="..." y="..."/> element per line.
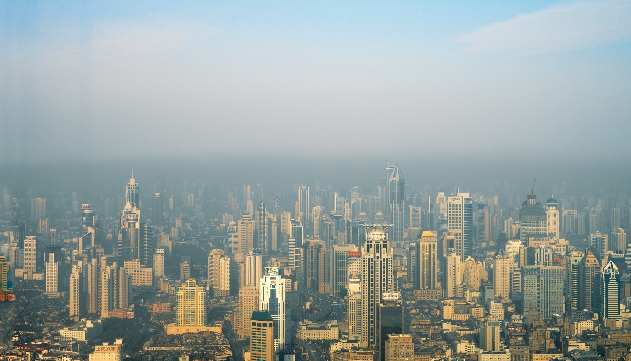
<point x="89" y="80"/>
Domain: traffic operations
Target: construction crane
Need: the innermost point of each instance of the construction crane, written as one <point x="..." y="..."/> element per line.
<point x="532" y="189"/>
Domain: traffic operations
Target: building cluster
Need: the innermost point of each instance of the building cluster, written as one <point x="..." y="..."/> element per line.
<point x="358" y="275"/>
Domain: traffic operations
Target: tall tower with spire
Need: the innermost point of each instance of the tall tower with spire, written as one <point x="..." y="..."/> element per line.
<point x="129" y="233"/>
<point x="395" y="193"/>
<point x="377" y="279"/>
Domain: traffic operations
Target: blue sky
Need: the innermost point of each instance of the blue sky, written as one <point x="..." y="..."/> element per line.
<point x="438" y="79"/>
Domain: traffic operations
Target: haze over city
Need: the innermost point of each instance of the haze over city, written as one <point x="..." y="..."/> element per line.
<point x="315" y="181"/>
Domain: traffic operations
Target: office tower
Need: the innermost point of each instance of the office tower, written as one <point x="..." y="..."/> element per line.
<point x="610" y="292"/>
<point x="245" y="234"/>
<point x="599" y="243"/>
<point x="38" y="209"/>
<point x="596" y="220"/>
<point x="338" y="262"/>
<point x="30" y="255"/>
<point x="377" y="278"/>
<point x="303" y="208"/>
<point x="158" y="263"/>
<point x="501" y="277"/>
<point x="214" y="258"/>
<point x="533" y="223"/>
<point x="316" y="263"/>
<point x="354" y="307"/>
<point x="390" y="319"/>
<point x="147" y="245"/>
<point x="414" y="264"/>
<point x="460" y="223"/>
<point x="439" y="215"/>
<point x="132" y="192"/>
<point x="222" y="278"/>
<point x="248" y="303"/>
<point x="191" y="304"/>
<point x="262" y="339"/>
<point x="88" y="219"/>
<point x="272" y="300"/>
<point x="618" y="241"/>
<point x="395" y="193"/>
<point x="5" y="277"/>
<point x="428" y="261"/>
<point x="129" y="233"/>
<point x="543" y="290"/>
<point x="452" y="275"/>
<point x="253" y="271"/>
<point x="399" y="348"/>
<point x="262" y="241"/>
<point x="316" y="217"/>
<point x="590" y="283"/>
<point x="490" y="335"/>
<point x="52" y="275"/>
<point x="574" y="277"/>
<point x="553" y="219"/>
<point x="116" y="289"/>
<point x="185" y="271"/>
<point x="296" y="254"/>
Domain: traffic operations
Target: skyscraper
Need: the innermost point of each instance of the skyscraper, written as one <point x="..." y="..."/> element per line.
<point x="129" y="233"/>
<point x="501" y="277"/>
<point x="5" y="277"/>
<point x="272" y="300"/>
<point x="253" y="271"/>
<point x="30" y="256"/>
<point x="303" y="208"/>
<point x="248" y="303"/>
<point x="245" y="235"/>
<point x="533" y="223"/>
<point x="543" y="290"/>
<point x="262" y="337"/>
<point x="452" y="276"/>
<point x="399" y="348"/>
<point x="590" y="283"/>
<point x="131" y="192"/>
<point x="414" y="264"/>
<point x="38" y="209"/>
<point x="338" y="262"/>
<point x="147" y="245"/>
<point x="52" y="275"/>
<point x="428" y="261"/>
<point x="191" y="305"/>
<point x="395" y="193"/>
<point x="553" y="219"/>
<point x="610" y="292"/>
<point x="158" y="263"/>
<point x="460" y="223"/>
<point x="574" y="277"/>
<point x="490" y="335"/>
<point x="262" y="231"/>
<point x="377" y="278"/>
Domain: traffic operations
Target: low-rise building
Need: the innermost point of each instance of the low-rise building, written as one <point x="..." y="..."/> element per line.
<point x="85" y="330"/>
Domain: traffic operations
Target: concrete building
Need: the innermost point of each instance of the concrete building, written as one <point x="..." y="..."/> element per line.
<point x="248" y="303"/>
<point x="460" y="223"/>
<point x="272" y="300"/>
<point x="107" y="352"/>
<point x="52" y="276"/>
<point x="399" y="348"/>
<point x="262" y="337"/>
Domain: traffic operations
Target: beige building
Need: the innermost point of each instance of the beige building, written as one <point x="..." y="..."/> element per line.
<point x="494" y="356"/>
<point x="399" y="348"/>
<point x="140" y="276"/>
<point x="311" y="331"/>
<point x="248" y="303"/>
<point x="501" y="277"/>
<point x="107" y="352"/>
<point x="262" y="337"/>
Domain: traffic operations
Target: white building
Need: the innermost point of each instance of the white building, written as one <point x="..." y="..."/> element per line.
<point x="272" y="300"/>
<point x="52" y="275"/>
<point x="86" y="330"/>
<point x="107" y="352"/>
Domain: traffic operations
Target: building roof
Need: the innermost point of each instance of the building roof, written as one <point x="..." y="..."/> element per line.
<point x="261" y="316"/>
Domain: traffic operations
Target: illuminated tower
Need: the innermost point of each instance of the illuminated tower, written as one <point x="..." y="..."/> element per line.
<point x="272" y="300"/>
<point x="377" y="278"/>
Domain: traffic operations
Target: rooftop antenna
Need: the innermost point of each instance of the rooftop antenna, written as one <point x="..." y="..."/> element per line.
<point x="532" y="190"/>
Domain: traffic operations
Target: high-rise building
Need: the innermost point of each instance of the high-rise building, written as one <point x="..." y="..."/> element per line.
<point x="296" y="250"/>
<point x="248" y="303"/>
<point x="599" y="243"/>
<point x="253" y="271"/>
<point x="116" y="289"/>
<point x="5" y="277"/>
<point x="452" y="276"/>
<point x="262" y="337"/>
<point x="191" y="304"/>
<point x="272" y="300"/>
<point x="543" y="288"/>
<point x="354" y="307"/>
<point x="391" y="319"/>
<point x="52" y="275"/>
<point x="460" y="223"/>
<point x="590" y="283"/>
<point x="490" y="335"/>
<point x="245" y="235"/>
<point x="618" y="241"/>
<point x="158" y="263"/>
<point x="132" y="192"/>
<point x="574" y="277"/>
<point x="38" y="209"/>
<point x="428" y="261"/>
<point x="395" y="193"/>
<point x="74" y="294"/>
<point x="147" y="245"/>
<point x="129" y="233"/>
<point x="316" y="262"/>
<point x="610" y="292"/>
<point x="262" y="229"/>
<point x="303" y="208"/>
<point x="533" y="223"/>
<point x="553" y="219"/>
<point x="377" y="278"/>
<point x="30" y="255"/>
<point x="185" y="271"/>
<point x="338" y="261"/>
<point x="501" y="277"/>
<point x="399" y="348"/>
<point x="414" y="264"/>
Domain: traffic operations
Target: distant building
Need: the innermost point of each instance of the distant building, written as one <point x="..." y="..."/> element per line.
<point x="272" y="300"/>
<point x="610" y="292"/>
<point x="262" y="337"/>
<point x="107" y="352"/>
<point x="399" y="348"/>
